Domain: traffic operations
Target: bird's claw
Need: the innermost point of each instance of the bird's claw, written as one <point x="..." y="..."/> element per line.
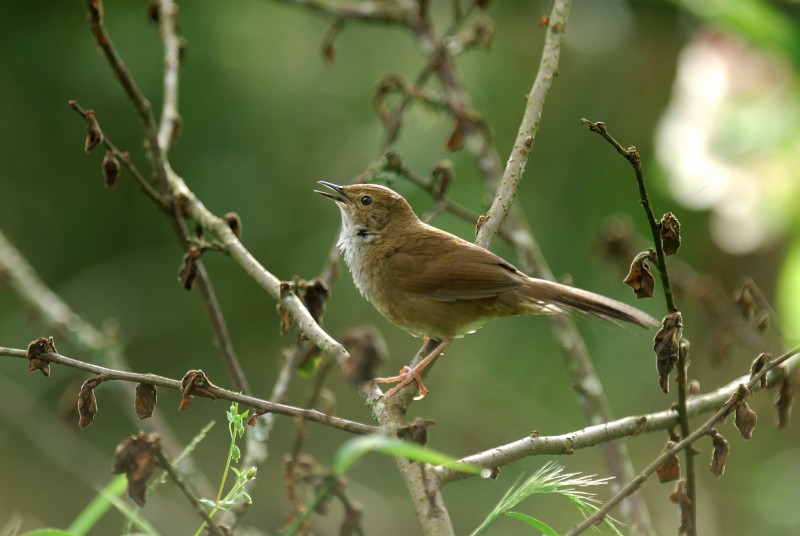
<point x="406" y="376"/>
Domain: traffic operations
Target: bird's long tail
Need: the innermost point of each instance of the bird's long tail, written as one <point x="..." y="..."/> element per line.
<point x="545" y="294"/>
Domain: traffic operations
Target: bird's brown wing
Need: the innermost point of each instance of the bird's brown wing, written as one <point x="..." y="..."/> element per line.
<point x="446" y="268"/>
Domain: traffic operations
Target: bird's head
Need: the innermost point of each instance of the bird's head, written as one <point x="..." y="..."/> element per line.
<point x="368" y="209"/>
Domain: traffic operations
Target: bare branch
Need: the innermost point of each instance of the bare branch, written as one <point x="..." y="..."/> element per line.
<point x="169" y="383"/>
<point x="738" y="394"/>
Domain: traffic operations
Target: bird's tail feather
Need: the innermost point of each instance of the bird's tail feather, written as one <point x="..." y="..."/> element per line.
<point x="544" y="293"/>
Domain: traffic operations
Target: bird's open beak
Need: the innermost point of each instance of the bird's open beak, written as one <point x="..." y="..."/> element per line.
<point x="338" y="194"/>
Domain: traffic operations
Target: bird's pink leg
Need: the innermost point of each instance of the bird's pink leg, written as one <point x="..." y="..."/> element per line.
<point x="407" y="375"/>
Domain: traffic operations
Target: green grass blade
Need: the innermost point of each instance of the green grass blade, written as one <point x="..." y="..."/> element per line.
<point x="355" y="449"/>
<point x="98" y="507"/>
<point x="543" y="527"/>
<point x="132" y="514"/>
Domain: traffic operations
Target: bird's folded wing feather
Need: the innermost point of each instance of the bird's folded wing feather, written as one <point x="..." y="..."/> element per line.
<point x="445" y="270"/>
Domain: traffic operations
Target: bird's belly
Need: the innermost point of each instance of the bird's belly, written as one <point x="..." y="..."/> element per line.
<point x="439" y="320"/>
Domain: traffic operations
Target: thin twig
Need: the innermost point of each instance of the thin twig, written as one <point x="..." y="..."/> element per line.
<point x="170" y="117"/>
<point x="741" y="392"/>
<point x="169" y="383"/>
<point x="366" y="10"/>
<point x="141" y="182"/>
<point x="526" y="135"/>
<point x="142" y="106"/>
<point x="631" y="154"/>
<point x="187" y="203"/>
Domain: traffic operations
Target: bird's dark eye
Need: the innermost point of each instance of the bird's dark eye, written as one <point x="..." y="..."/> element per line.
<point x="366" y="200"/>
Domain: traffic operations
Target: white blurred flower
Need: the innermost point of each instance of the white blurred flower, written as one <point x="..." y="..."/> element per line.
<point x="729" y="140"/>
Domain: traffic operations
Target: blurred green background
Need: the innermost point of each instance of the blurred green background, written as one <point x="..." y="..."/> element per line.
<point x="264" y="117"/>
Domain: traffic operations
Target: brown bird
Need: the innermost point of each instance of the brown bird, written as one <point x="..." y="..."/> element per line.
<point x="432" y="283"/>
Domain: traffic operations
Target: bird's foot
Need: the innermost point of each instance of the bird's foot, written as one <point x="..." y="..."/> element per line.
<point x="406" y="376"/>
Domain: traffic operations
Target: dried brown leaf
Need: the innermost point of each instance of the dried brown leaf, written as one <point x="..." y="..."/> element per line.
<point x="758" y="364"/>
<point x="667" y="345"/>
<point x="146" y="398"/>
<point x="783" y="403"/>
<point x="368" y="352"/>
<point x="670" y="230"/>
<point x="37" y="352"/>
<point x="417" y="431"/>
<point x="720" y="454"/>
<point x="671" y="469"/>
<point x="94" y="136"/>
<point x="87" y="402"/>
<point x="187" y="274"/>
<point x="110" y="168"/>
<point x="195" y="383"/>
<point x="639" y="277"/>
<point x="746" y="419"/>
<point x="137" y="457"/>
<point x="235" y="223"/>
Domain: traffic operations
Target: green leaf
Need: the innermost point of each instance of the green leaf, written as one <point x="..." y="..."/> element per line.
<point x="545" y="529"/>
<point x="355" y="449"/>
<point x="236" y="454"/>
<point x="207" y="502"/>
<point x="309" y="367"/>
<point x="98" y="507"/>
<point x="48" y="532"/>
<point x="789" y="289"/>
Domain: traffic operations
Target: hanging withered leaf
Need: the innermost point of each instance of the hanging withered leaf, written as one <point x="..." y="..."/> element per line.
<point x="195" y="383"/>
<point x="368" y="351"/>
<point x="745" y="419"/>
<point x="720" y="454"/>
<point x="417" y="431"/>
<point x="35" y="354"/>
<point x="744" y="300"/>
<point x="145" y="402"/>
<point x="235" y="223"/>
<point x="758" y="364"/>
<point x="87" y="402"/>
<point x="187" y="274"/>
<point x="137" y="457"/>
<point x="87" y="407"/>
<point x="667" y="346"/>
<point x="110" y="169"/>
<point x="783" y="403"/>
<point x="456" y="139"/>
<point x="686" y="505"/>
<point x="670" y="470"/>
<point x="94" y="136"/>
<point x="315" y="294"/>
<point x="670" y="229"/>
<point x="639" y="277"/>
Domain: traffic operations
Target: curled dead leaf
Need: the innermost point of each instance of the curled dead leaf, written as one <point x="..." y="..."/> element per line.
<point x="720" y="453"/>
<point x="37" y="352"/>
<point x="667" y="346"/>
<point x="639" y="277"/>
<point x="670" y="229"/>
